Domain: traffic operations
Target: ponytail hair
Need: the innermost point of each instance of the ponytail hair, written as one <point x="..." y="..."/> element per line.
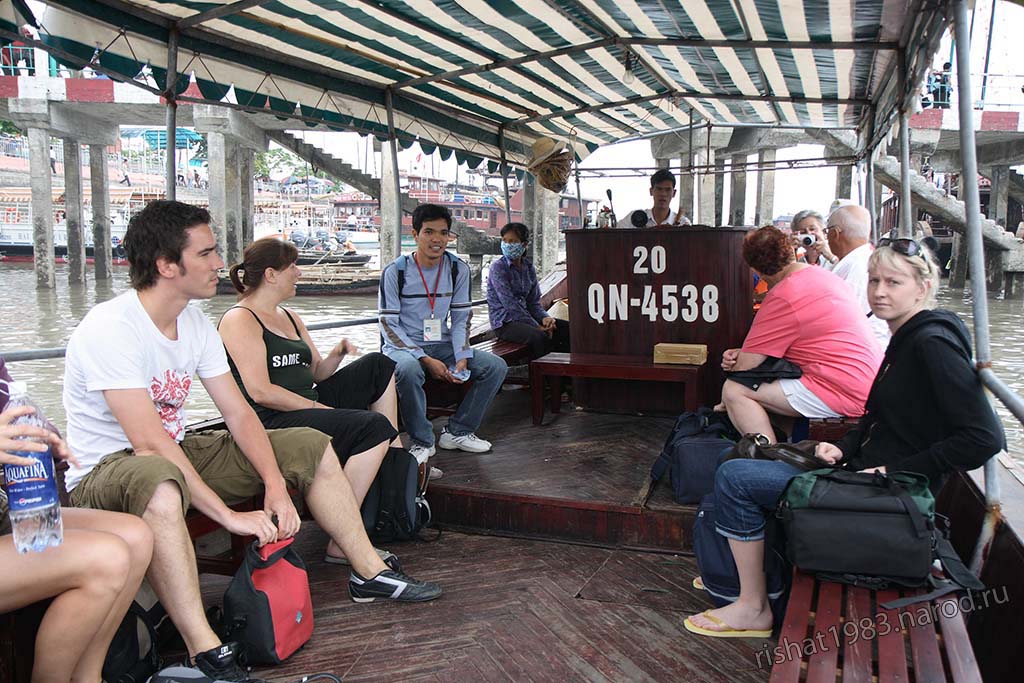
<point x="267" y="252"/>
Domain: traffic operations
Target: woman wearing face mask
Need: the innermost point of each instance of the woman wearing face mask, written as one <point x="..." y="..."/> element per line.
<point x="513" y="298"/>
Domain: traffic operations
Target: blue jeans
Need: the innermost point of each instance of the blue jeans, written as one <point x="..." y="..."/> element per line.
<point x="744" y="489"/>
<point x="487" y="372"/>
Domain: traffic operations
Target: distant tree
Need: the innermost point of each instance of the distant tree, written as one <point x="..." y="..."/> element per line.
<point x="9" y="128"/>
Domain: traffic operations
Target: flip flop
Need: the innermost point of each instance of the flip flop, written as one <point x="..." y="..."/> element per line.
<point x="698" y="583"/>
<point x="726" y="632"/>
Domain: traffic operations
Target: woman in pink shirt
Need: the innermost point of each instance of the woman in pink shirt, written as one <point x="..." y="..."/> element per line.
<point x="810" y="318"/>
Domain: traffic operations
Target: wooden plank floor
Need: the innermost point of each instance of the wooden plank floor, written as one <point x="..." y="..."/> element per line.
<point x="515" y="610"/>
<point x="581" y="476"/>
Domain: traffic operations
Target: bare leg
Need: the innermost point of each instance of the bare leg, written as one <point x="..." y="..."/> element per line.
<point x="751" y="610"/>
<point x="334" y="507"/>
<point x="173" y="572"/>
<point x="360" y="470"/>
<point x="139" y="539"/>
<point x="748" y="409"/>
<point x="86" y="574"/>
<point x="386" y="405"/>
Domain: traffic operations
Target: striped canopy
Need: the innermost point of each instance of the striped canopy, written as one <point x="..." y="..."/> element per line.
<point x="476" y="76"/>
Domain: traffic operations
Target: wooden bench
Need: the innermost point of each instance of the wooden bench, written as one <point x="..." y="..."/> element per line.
<point x="599" y="366"/>
<point x="834" y="632"/>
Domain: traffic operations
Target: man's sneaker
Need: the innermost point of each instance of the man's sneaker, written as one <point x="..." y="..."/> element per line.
<point x="389" y="558"/>
<point x="391" y="585"/>
<point x="466" y="442"/>
<point x="212" y="666"/>
<point x="421" y="453"/>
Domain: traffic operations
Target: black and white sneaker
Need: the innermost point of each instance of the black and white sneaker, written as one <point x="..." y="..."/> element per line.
<point x="391" y="585"/>
<point x="219" y="665"/>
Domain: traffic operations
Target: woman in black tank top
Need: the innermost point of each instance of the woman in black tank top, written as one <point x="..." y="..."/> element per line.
<point x="288" y="382"/>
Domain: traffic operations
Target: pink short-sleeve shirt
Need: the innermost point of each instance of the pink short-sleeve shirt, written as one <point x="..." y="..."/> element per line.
<point x="812" y="319"/>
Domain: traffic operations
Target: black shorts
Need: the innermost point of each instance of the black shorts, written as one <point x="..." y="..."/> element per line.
<point x="350" y="391"/>
<point x="359" y="384"/>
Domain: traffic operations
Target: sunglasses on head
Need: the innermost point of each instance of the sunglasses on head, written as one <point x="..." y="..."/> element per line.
<point x="907" y="247"/>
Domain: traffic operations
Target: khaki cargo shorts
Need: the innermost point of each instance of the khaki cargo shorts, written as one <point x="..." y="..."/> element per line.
<point x="124" y="482"/>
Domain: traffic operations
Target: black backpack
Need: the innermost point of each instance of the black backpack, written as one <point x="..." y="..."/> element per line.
<point x="692" y="453"/>
<point x="395" y="507"/>
<point x="132" y="656"/>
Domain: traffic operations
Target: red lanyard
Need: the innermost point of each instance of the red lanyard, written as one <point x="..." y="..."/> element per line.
<point x="431" y="298"/>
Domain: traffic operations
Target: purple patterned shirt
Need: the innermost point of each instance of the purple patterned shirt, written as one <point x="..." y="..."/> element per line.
<point x="513" y="295"/>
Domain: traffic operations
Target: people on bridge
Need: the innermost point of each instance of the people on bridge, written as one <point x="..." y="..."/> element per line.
<point x="811" y="319"/>
<point x="513" y="298"/>
<point x="130" y="367"/>
<point x="663" y="191"/>
<point x="849" y="236"/>
<point x="927" y="412"/>
<point x="419" y="293"/>
<point x="92" y="575"/>
<point x="289" y="384"/>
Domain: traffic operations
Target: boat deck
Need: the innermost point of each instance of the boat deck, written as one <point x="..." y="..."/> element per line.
<point x="519" y="608"/>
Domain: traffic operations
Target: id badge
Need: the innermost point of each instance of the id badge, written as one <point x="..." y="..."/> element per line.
<point x="431" y="330"/>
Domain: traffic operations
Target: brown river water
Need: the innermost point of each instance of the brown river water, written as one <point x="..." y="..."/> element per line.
<point x="32" y="318"/>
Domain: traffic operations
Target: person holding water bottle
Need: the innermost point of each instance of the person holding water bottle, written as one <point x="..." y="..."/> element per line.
<point x="92" y="572"/>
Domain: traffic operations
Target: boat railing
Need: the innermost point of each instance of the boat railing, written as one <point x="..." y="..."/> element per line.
<point x="59" y="351"/>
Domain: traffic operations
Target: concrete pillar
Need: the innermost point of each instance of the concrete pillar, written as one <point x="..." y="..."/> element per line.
<point x="706" y="188"/>
<point x="225" y="195"/>
<point x="738" y="195"/>
<point x="390" y="205"/>
<point x="686" y="189"/>
<point x="844" y="182"/>
<point x="99" y="181"/>
<point x="540" y="214"/>
<point x="958" y="267"/>
<point x="42" y="205"/>
<point x="999" y="196"/>
<point x="247" y="195"/>
<point x="878" y="201"/>
<point x="764" y="209"/>
<point x="73" y="210"/>
<point x="995" y="273"/>
<point x="661" y="163"/>
<point x="719" y="190"/>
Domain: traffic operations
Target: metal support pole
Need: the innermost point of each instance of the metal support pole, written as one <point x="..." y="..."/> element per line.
<point x="579" y="194"/>
<point x="393" y="142"/>
<point x="906" y="208"/>
<point x="869" y="195"/>
<point x="504" y="173"/>
<point x="172" y="113"/>
<point x="975" y="260"/>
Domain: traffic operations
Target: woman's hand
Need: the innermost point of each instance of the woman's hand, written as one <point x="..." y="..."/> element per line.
<point x="344" y="347"/>
<point x="729" y="358"/>
<point x="11" y="439"/>
<point x="828" y="452"/>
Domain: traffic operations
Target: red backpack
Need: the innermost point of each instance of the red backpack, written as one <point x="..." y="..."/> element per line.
<point x="267" y="606"/>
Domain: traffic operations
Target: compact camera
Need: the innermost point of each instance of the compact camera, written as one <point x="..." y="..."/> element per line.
<point x="806" y="240"/>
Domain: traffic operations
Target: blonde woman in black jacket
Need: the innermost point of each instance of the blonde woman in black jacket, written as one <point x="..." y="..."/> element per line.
<point x="926" y="412"/>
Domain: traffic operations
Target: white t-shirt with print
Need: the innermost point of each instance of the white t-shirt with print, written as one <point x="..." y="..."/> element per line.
<point x="117" y="346"/>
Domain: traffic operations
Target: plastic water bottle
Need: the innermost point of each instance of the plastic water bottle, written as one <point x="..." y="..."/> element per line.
<point x="32" y="489"/>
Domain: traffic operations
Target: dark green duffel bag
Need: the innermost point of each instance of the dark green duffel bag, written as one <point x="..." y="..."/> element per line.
<point x="868" y="529"/>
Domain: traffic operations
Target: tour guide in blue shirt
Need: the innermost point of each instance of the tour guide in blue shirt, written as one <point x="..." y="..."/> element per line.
<point x="417" y="294"/>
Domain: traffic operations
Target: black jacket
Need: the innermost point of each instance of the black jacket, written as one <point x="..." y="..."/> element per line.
<point x="927" y="411"/>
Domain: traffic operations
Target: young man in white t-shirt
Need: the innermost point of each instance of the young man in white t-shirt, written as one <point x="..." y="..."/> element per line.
<point x="130" y="367"/>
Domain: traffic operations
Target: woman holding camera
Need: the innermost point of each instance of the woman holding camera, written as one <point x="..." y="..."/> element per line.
<point x="927" y="413"/>
<point x="808" y="229"/>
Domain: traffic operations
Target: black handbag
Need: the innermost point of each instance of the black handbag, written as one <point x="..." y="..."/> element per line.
<point x="800" y="455"/>
<point x="870" y="529"/>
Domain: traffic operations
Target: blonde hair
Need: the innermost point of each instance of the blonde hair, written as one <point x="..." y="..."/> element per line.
<point x="923" y="267"/>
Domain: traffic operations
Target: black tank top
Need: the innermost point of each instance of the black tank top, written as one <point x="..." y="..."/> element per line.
<point x="289" y="362"/>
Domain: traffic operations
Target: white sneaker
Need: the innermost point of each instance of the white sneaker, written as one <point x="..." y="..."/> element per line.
<point x="421" y="453"/>
<point x="435" y="473"/>
<point x="467" y="442"/>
